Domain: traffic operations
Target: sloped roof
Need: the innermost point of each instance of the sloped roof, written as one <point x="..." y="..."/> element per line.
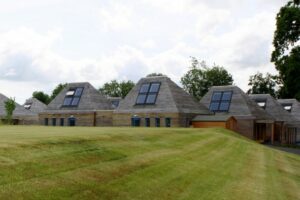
<point x="171" y="98"/>
<point x="273" y="107"/>
<point x="295" y="106"/>
<point x="241" y="105"/>
<point x="91" y="99"/>
<point x="18" y="112"/>
<point x="36" y="105"/>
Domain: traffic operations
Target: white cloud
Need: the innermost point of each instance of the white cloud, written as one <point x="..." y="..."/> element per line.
<point x="115" y="17"/>
<point x="131" y="39"/>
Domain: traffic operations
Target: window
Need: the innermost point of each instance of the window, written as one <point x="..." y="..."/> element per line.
<point x="148" y="94"/>
<point x="53" y="121"/>
<point x="157" y="122"/>
<point x="135" y="121"/>
<point x="27" y="106"/>
<point x="147" y="122"/>
<point x="168" y="122"/>
<point x="46" y="121"/>
<point x="220" y="101"/>
<point x="287" y="106"/>
<point x="62" y="121"/>
<point x="72" y="121"/>
<point x="73" y="96"/>
<point x="115" y="103"/>
<point x="261" y="103"/>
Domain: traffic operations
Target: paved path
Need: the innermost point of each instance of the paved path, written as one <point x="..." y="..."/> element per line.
<point x="290" y="150"/>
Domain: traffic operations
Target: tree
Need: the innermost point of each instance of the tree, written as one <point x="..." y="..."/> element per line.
<point x="57" y="90"/>
<point x="45" y="98"/>
<point x="200" y="78"/>
<point x="10" y="106"/>
<point x="125" y="87"/>
<point x="116" y="89"/>
<point x="262" y="85"/>
<point x="286" y="54"/>
<point x="155" y="74"/>
<point x="41" y="96"/>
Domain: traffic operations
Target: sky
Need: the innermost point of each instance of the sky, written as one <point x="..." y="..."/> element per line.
<point x="44" y="43"/>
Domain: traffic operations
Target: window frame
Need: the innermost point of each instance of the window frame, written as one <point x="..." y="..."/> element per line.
<point x="72" y="97"/>
<point x="287" y="104"/>
<point x="148" y="93"/>
<point x="218" y="102"/>
<point x="261" y="101"/>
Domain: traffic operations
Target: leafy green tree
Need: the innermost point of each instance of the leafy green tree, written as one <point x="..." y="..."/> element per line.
<point x="57" y="90"/>
<point x="200" y="78"/>
<point x="286" y="54"/>
<point x="263" y="85"/>
<point x="116" y="89"/>
<point x="41" y="96"/>
<point x="125" y="87"/>
<point x="10" y="106"/>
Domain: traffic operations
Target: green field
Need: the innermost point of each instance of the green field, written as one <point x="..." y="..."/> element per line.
<point x="141" y="163"/>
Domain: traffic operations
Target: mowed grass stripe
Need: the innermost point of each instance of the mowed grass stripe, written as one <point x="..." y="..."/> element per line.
<point x="141" y="163"/>
<point x="133" y="162"/>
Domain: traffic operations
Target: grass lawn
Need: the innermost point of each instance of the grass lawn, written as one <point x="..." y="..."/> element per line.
<point x="141" y="163"/>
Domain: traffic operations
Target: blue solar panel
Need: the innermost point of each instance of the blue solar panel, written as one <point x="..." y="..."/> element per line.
<point x="145" y="88"/>
<point x="154" y="87"/>
<point x="151" y="98"/>
<point x="78" y="92"/>
<point x="216" y="96"/>
<point x="224" y="106"/>
<point x="220" y="101"/>
<point x="226" y="96"/>
<point x="73" y="96"/>
<point x="67" y="101"/>
<point x="214" y="106"/>
<point x="75" y="101"/>
<point x="141" y="99"/>
<point x="148" y="93"/>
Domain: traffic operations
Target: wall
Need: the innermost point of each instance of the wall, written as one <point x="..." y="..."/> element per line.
<point x="124" y="119"/>
<point x="98" y="118"/>
<point x="245" y="127"/>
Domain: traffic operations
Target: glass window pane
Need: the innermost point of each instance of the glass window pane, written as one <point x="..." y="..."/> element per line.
<point x="154" y="87"/>
<point x="75" y="101"/>
<point x="144" y="88"/>
<point x="227" y="96"/>
<point x="78" y="91"/>
<point x="141" y="99"/>
<point x="151" y="98"/>
<point x="224" y="106"/>
<point x="70" y="93"/>
<point x="67" y="101"/>
<point x="216" y="96"/>
<point x="115" y="103"/>
<point x="261" y="104"/>
<point x="214" y="106"/>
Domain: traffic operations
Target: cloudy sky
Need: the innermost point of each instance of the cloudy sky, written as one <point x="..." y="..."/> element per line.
<point x="43" y="43"/>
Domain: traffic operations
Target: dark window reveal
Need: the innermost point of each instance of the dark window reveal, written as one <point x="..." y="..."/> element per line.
<point x="147" y="122"/>
<point x="168" y="122"/>
<point x="157" y="122"/>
